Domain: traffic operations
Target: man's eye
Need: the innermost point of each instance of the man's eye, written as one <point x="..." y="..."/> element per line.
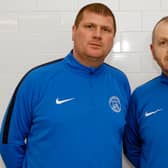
<point x="89" y="26"/>
<point x="163" y="43"/>
<point x="106" y="30"/>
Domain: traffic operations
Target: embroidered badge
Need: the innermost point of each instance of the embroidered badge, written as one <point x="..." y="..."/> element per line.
<point x="114" y="103"/>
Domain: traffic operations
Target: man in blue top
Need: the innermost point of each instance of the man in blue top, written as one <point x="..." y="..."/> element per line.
<point x="70" y="112"/>
<point x="146" y="133"/>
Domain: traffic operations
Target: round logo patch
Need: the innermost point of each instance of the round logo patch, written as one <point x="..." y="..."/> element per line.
<point x="114" y="103"/>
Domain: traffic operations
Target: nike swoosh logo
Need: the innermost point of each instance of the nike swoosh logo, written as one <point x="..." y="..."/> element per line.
<point x="147" y="114"/>
<point x="58" y="101"/>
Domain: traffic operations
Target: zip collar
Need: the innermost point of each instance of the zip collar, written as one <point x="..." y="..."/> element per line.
<point x="76" y="65"/>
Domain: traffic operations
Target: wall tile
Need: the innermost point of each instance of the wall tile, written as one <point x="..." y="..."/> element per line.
<point x="135" y="41"/>
<point x="116" y="43"/>
<point x="62" y="5"/>
<point x="127" y="62"/>
<point x="149" y="19"/>
<point x="140" y="5"/>
<point x="164" y="4"/>
<point x="129" y="21"/>
<point x="148" y="64"/>
<point x="8" y="23"/>
<point x="15" y="5"/>
<point x="38" y="23"/>
<point x="137" y="79"/>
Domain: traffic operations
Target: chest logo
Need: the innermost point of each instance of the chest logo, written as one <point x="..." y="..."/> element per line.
<point x="115" y="104"/>
<point x="147" y="114"/>
<point x="58" y="101"/>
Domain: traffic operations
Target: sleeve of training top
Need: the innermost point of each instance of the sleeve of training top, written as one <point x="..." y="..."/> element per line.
<point x="16" y="125"/>
<point x="132" y="141"/>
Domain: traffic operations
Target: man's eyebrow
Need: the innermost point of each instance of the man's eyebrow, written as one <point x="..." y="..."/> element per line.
<point x="163" y="38"/>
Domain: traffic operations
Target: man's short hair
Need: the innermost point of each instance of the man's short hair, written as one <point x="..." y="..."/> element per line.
<point x="163" y="19"/>
<point x="97" y="8"/>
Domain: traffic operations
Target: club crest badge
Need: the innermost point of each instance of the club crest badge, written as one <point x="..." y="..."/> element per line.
<point x="115" y="104"/>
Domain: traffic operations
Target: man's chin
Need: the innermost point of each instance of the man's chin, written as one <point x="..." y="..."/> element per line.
<point x="96" y="58"/>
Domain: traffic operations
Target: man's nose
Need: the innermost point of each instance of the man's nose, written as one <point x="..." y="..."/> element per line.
<point x="97" y="33"/>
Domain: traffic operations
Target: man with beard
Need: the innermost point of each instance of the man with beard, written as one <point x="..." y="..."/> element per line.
<point x="146" y="132"/>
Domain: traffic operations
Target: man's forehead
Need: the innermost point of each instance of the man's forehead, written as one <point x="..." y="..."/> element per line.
<point x="90" y="17"/>
<point x="161" y="26"/>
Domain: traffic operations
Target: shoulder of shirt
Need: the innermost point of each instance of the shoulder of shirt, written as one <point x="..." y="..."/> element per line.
<point x="115" y="70"/>
<point x="147" y="87"/>
<point x="42" y="72"/>
<point x="118" y="75"/>
<point x="46" y="67"/>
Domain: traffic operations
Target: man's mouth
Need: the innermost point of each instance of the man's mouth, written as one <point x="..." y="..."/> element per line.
<point x="94" y="44"/>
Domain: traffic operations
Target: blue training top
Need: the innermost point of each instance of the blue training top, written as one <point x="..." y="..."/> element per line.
<point x="146" y="133"/>
<point x="63" y="114"/>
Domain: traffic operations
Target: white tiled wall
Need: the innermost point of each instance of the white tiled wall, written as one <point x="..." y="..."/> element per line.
<point x="33" y="32"/>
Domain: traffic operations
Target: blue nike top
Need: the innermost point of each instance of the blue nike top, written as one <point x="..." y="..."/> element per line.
<point x="63" y="114"/>
<point x="146" y="133"/>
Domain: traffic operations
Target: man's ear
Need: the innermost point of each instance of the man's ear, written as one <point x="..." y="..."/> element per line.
<point x="73" y="31"/>
<point x="152" y="51"/>
<point x="151" y="47"/>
